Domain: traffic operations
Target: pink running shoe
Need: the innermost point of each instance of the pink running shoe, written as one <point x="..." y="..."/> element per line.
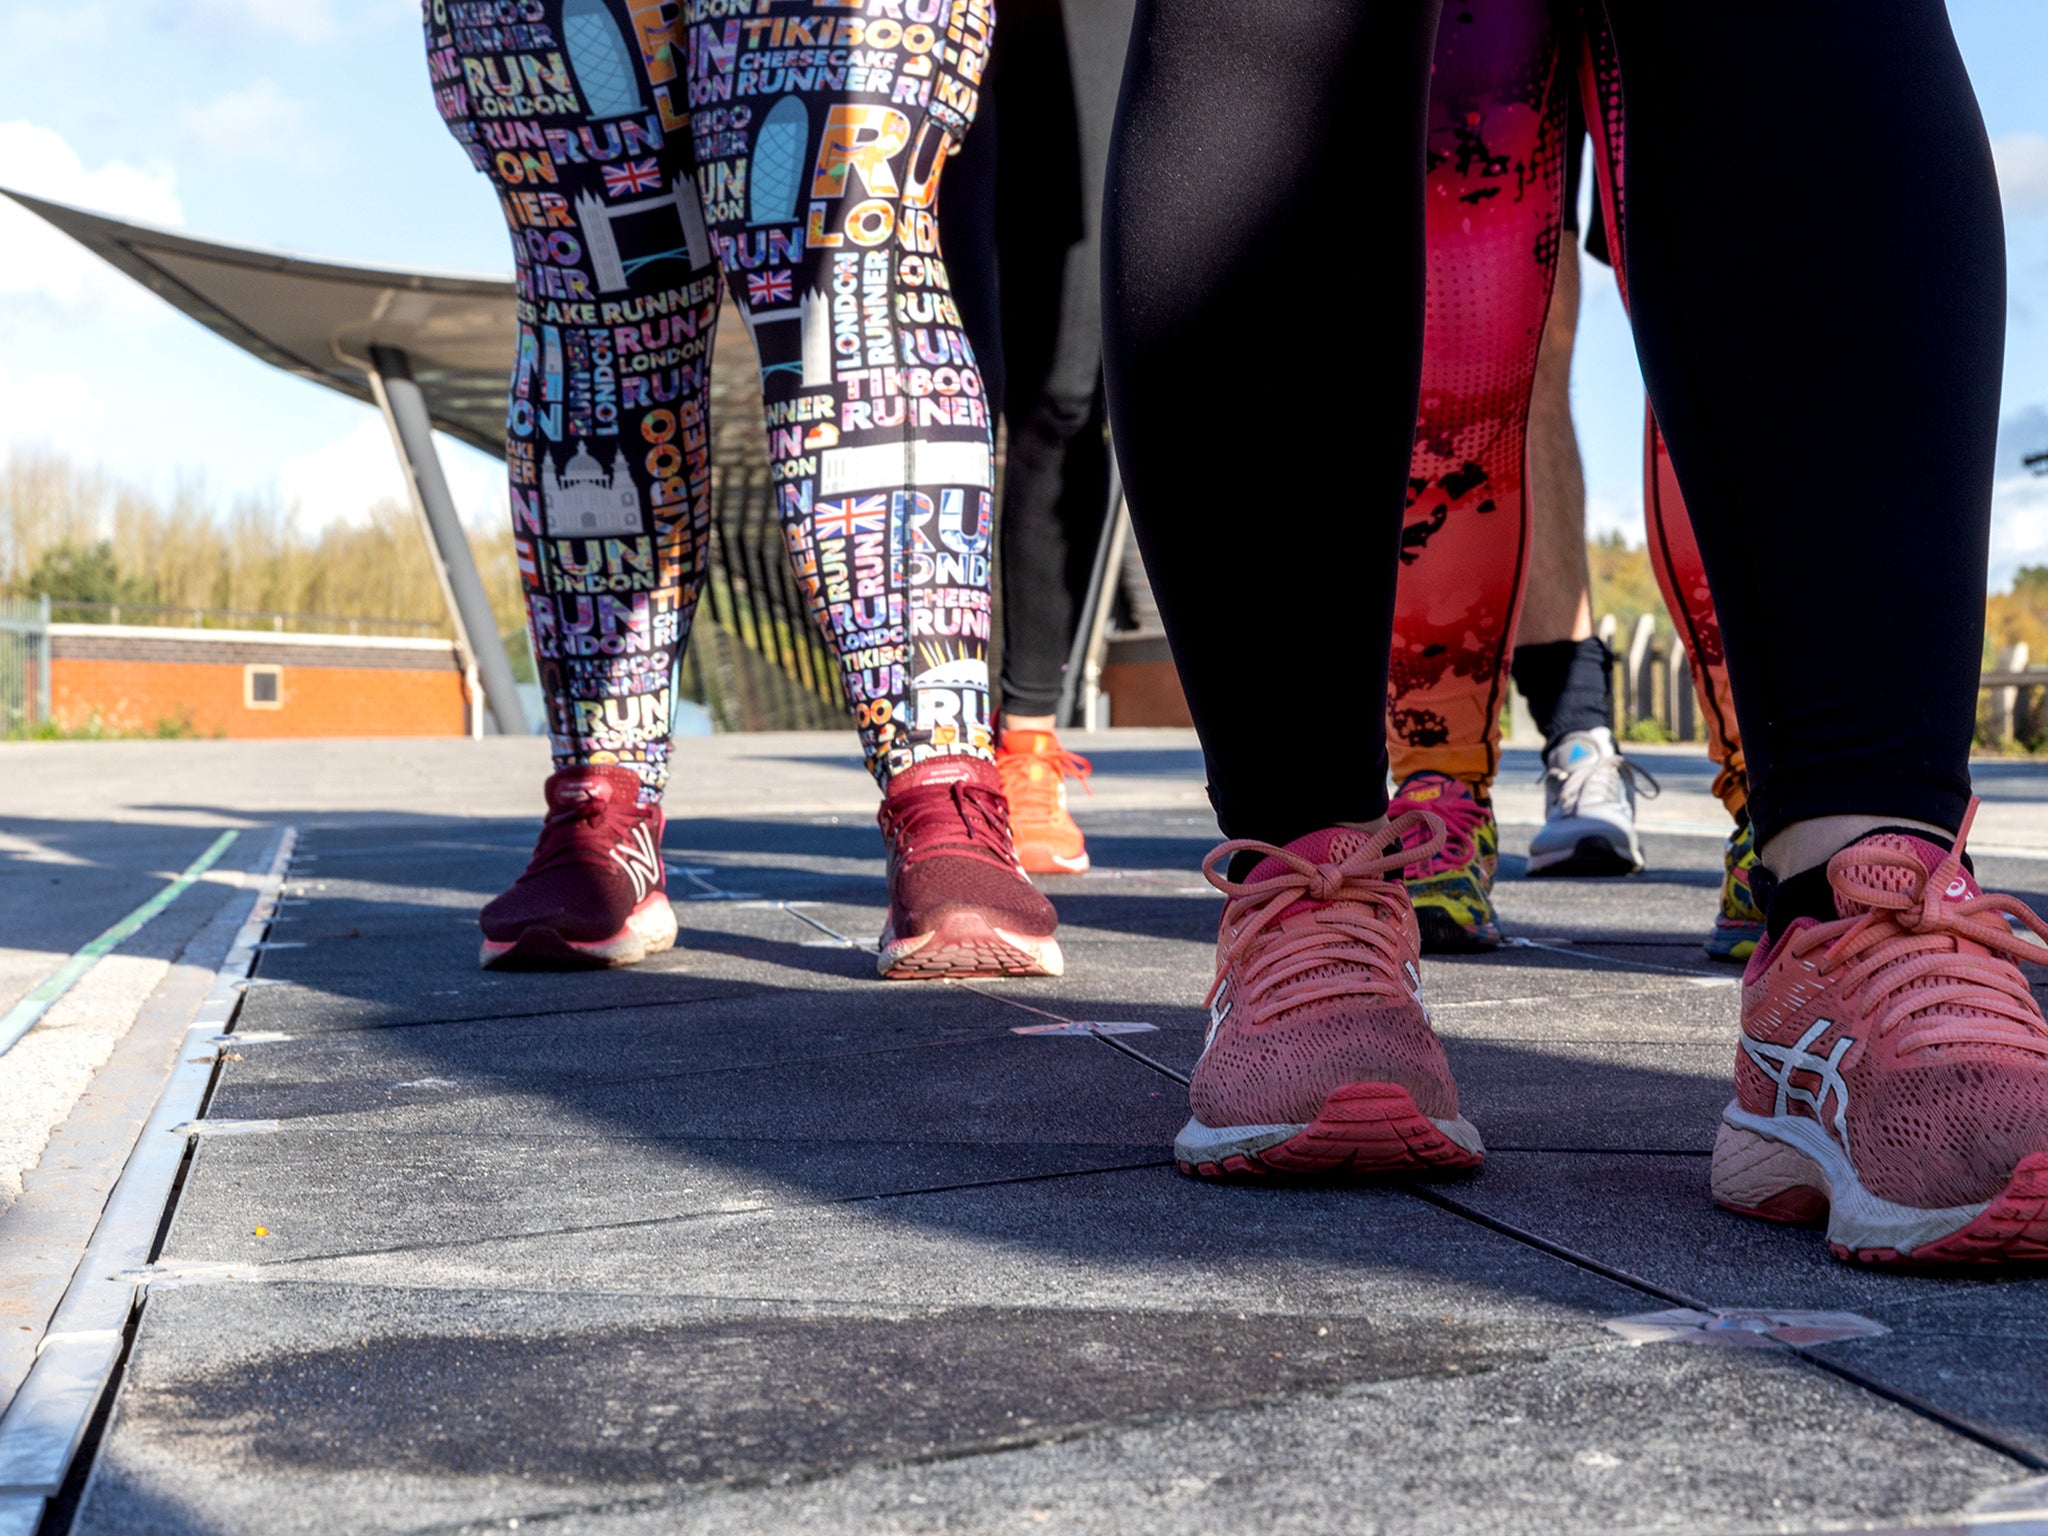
<point x="1892" y="1080"/>
<point x="1320" y="1061"/>
<point x="959" y="902"/>
<point x="595" y="892"/>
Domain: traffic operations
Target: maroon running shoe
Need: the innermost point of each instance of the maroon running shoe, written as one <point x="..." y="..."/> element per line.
<point x="594" y="893"/>
<point x="959" y="902"/>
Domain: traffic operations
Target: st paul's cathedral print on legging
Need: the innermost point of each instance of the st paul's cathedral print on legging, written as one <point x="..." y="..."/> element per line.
<point x="641" y="149"/>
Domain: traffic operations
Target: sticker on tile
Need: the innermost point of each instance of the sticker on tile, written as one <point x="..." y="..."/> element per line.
<point x="1742" y="1328"/>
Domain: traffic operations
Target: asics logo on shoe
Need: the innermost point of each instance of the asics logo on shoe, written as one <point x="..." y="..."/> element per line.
<point x="1779" y="1062"/>
<point x="640" y="860"/>
<point x="1958" y="888"/>
<point x="1219" y="1010"/>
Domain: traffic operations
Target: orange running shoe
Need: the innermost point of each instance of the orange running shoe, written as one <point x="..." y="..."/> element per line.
<point x="1320" y="1060"/>
<point x="1035" y="768"/>
<point x="1892" y="1080"/>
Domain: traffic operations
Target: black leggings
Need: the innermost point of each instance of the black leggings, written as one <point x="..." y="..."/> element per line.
<point x="1816" y="272"/>
<point x="1021" y="226"/>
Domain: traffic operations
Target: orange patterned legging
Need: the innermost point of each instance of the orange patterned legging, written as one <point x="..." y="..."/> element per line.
<point x="1495" y="177"/>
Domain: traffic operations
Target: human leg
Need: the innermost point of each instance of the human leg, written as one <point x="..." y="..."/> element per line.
<point x="1061" y="66"/>
<point x="1493" y="195"/>
<point x="1188" y="259"/>
<point x="1674" y="554"/>
<point x="820" y="179"/>
<point x="1276" y="586"/>
<point x="1557" y="608"/>
<point x="1893" y="1070"/>
<point x="1562" y="670"/>
<point x="1559" y="667"/>
<point x="610" y="516"/>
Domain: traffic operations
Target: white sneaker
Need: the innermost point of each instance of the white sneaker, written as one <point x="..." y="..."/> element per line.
<point x="1589" y="809"/>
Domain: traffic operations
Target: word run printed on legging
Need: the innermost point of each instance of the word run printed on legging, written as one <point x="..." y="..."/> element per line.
<point x="639" y="148"/>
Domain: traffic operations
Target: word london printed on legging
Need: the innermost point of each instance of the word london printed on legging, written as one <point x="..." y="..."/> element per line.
<point x="640" y="150"/>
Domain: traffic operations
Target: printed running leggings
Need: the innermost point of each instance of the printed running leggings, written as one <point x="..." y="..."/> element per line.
<point x="641" y="149"/>
<point x="1491" y="207"/>
<point x="1824" y="370"/>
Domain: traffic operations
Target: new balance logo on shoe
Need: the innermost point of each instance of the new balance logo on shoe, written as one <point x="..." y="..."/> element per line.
<point x="641" y="861"/>
<point x="1779" y="1062"/>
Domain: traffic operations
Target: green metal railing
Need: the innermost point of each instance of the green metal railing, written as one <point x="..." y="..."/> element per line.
<point x="24" y="665"/>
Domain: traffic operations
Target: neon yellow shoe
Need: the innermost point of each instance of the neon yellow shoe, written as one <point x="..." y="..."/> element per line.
<point x="1453" y="891"/>
<point x="1739" y="927"/>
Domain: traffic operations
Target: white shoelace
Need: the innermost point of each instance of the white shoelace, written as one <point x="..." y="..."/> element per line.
<point x="1598" y="779"/>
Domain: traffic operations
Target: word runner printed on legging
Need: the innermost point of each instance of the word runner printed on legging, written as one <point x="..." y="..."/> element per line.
<point x="640" y="150"/>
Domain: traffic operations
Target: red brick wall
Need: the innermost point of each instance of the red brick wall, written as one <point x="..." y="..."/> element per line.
<point x="134" y="695"/>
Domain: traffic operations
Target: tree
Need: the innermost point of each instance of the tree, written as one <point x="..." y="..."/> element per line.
<point x="88" y="573"/>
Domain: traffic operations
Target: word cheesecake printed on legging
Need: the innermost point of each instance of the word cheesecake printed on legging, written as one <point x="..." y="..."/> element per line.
<point x="640" y="150"/>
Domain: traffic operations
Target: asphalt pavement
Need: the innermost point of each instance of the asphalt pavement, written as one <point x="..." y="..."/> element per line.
<point x="745" y="1240"/>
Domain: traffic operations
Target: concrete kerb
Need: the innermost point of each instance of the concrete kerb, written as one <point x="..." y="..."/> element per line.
<point x="77" y="1356"/>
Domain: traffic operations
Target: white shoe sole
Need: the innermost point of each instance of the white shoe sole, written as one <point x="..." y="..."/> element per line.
<point x="1759" y="1159"/>
<point x="1600" y="849"/>
<point x="649" y="929"/>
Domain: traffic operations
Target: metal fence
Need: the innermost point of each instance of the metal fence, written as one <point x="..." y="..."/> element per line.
<point x="24" y="665"/>
<point x="756" y="659"/>
<point x="162" y="615"/>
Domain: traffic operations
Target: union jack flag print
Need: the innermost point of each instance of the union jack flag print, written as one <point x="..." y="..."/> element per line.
<point x="768" y="288"/>
<point x="633" y="176"/>
<point x="843" y="519"/>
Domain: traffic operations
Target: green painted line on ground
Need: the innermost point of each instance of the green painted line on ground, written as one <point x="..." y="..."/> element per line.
<point x="21" y="1018"/>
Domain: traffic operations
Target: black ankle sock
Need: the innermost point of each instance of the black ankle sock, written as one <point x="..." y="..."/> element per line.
<point x="1808" y="894"/>
<point x="1566" y="684"/>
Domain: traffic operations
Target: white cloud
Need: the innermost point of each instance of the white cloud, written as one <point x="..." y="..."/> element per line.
<point x="39" y="263"/>
<point x="2022" y="160"/>
<point x="300" y="21"/>
<point x="51" y="408"/>
<point x="259" y="122"/>
<point x="65" y="24"/>
<point x="340" y="482"/>
<point x="2019" y="527"/>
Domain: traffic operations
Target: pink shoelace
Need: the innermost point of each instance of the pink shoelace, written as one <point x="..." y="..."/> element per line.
<point x="1313" y="932"/>
<point x="1461" y="817"/>
<point x="1910" y="952"/>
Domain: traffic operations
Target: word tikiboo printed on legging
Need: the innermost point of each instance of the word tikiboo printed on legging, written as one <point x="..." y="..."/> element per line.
<point x="647" y="155"/>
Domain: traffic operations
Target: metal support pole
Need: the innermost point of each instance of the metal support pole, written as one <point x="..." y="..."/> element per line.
<point x="476" y="627"/>
<point x="1084" y="656"/>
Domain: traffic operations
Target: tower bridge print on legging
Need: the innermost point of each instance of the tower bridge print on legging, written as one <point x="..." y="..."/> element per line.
<point x="802" y="175"/>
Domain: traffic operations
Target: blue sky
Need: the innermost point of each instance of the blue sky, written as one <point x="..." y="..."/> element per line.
<point x="306" y="124"/>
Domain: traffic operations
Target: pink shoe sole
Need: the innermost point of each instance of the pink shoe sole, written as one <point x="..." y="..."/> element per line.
<point x="964" y="945"/>
<point x="1364" y="1131"/>
<point x="649" y="929"/>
